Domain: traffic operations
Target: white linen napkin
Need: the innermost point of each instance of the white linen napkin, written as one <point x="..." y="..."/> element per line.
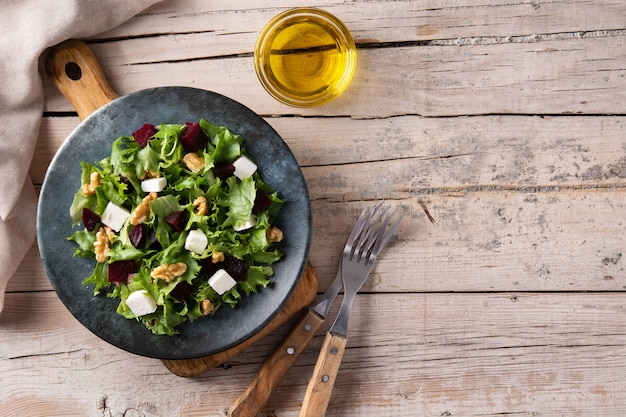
<point x="28" y="28"/>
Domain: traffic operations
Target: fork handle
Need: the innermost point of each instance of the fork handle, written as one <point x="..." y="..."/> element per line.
<point x="252" y="401"/>
<point x="322" y="382"/>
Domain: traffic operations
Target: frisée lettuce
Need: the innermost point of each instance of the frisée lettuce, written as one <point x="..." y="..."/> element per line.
<point x="172" y="224"/>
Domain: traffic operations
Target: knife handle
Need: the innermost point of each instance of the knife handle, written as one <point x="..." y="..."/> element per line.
<point x="252" y="401"/>
<point x="322" y="382"/>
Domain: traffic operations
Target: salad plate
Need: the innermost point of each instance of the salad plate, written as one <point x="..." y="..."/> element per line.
<point x="91" y="142"/>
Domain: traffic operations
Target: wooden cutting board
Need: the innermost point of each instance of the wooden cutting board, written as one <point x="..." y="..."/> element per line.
<point x="302" y="297"/>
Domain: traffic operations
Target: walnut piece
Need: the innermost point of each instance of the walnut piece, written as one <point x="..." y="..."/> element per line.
<point x="147" y="174"/>
<point x="217" y="256"/>
<point x="201" y="205"/>
<point x="169" y="272"/>
<point x="193" y="161"/>
<point x="94" y="181"/>
<point x="206" y="307"/>
<point x="102" y="245"/>
<point x="274" y="234"/>
<point x="142" y="211"/>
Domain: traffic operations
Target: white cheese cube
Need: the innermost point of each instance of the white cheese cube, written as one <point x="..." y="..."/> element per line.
<point x="249" y="223"/>
<point x="221" y="281"/>
<point x="244" y="167"/>
<point x="141" y="303"/>
<point x="154" y="185"/>
<point x="196" y="241"/>
<point x="114" y="216"/>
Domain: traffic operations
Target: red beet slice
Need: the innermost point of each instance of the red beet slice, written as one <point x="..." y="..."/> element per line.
<point x="137" y="234"/>
<point x="90" y="219"/>
<point x="177" y="221"/>
<point x="143" y="134"/>
<point x="261" y="202"/>
<point x="154" y="242"/>
<point x="223" y="169"/>
<point x="236" y="268"/>
<point x="207" y="267"/>
<point x="129" y="185"/>
<point x="193" y="138"/>
<point x="182" y="290"/>
<point x="120" y="270"/>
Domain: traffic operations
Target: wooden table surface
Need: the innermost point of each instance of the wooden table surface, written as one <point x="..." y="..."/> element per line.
<point x="496" y="127"/>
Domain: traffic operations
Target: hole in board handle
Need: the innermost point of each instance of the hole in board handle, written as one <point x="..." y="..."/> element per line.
<point x="73" y="71"/>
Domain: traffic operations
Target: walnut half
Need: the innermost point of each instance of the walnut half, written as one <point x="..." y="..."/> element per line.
<point x="142" y="211"/>
<point x="102" y="245"/>
<point x="94" y="181"/>
<point x="169" y="272"/>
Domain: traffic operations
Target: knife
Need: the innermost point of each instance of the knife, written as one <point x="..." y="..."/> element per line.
<point x="252" y="401"/>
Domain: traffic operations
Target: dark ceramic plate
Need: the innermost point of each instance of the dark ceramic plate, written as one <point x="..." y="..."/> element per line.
<point x="91" y="142"/>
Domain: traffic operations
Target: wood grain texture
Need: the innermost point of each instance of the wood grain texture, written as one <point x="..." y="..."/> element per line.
<point x="252" y="401"/>
<point x="578" y="75"/>
<point x="320" y="387"/>
<point x="408" y="354"/>
<point x="496" y="127"/>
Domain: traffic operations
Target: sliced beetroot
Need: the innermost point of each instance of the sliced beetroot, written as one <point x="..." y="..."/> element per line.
<point x="137" y="234"/>
<point x="154" y="242"/>
<point x="120" y="270"/>
<point x="207" y="267"/>
<point x="261" y="202"/>
<point x="193" y="138"/>
<point x="90" y="219"/>
<point x="236" y="268"/>
<point x="182" y="290"/>
<point x="143" y="134"/>
<point x="223" y="169"/>
<point x="129" y="185"/>
<point x="177" y="220"/>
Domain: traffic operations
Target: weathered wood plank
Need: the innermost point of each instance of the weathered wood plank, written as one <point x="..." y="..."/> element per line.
<point x="481" y="241"/>
<point x="545" y="77"/>
<point x="408" y="354"/>
<point x="432" y="153"/>
<point x="369" y="21"/>
<point x="520" y="203"/>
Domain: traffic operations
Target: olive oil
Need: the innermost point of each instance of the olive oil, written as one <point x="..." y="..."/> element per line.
<point x="305" y="58"/>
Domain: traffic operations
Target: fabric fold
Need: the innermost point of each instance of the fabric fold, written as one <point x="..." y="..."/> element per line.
<point x="29" y="28"/>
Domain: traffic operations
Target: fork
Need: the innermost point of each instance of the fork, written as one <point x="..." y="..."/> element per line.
<point x="357" y="262"/>
<point x="252" y="401"/>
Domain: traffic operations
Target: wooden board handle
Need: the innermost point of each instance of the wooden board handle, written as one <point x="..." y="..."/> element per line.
<point x="302" y="296"/>
<point x="252" y="401"/>
<point x="75" y="71"/>
<point x="321" y="385"/>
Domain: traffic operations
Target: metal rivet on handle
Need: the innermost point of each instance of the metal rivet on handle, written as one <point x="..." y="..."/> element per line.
<point x="308" y="327"/>
<point x="325" y="378"/>
<point x="290" y="351"/>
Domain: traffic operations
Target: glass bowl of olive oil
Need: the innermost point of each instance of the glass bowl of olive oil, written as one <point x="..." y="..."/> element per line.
<point x="305" y="57"/>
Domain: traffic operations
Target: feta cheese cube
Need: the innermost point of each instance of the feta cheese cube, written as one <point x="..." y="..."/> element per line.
<point x="114" y="216"/>
<point x="249" y="223"/>
<point x="141" y="303"/>
<point x="244" y="167"/>
<point x="196" y="241"/>
<point x="154" y="185"/>
<point x="221" y="281"/>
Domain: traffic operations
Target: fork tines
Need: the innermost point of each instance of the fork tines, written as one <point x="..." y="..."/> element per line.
<point x="372" y="232"/>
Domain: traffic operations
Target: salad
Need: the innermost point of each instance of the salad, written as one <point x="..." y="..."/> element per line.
<point x="178" y="222"/>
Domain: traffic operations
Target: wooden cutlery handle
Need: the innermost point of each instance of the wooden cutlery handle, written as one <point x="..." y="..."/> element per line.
<point x="252" y="401"/>
<point x="322" y="382"/>
<point x="75" y="71"/>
